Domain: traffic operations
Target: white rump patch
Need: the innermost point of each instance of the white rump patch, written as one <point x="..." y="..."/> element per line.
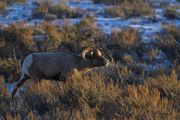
<point x="26" y="64"/>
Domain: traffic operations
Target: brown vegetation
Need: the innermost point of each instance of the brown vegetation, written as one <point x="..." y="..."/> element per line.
<point x="67" y="36"/>
<point x="169" y="42"/>
<point x="127" y="38"/>
<point x="122" y="90"/>
<point x="112" y="2"/>
<point x="10" y="69"/>
<point x="83" y="34"/>
<point x="129" y="9"/>
<point x="17" y="38"/>
<point x="95" y="98"/>
<point x="2" y="6"/>
<point x="12" y="1"/>
<point x="50" y="37"/>
<point x="171" y="13"/>
<point x="50" y="11"/>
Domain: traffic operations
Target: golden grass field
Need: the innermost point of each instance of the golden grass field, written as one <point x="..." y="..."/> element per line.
<point x="124" y="90"/>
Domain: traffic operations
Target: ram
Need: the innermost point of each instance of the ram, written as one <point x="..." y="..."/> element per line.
<point x="59" y="65"/>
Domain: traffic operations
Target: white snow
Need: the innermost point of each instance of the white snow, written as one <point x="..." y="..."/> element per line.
<point x="10" y="86"/>
<point x="17" y="12"/>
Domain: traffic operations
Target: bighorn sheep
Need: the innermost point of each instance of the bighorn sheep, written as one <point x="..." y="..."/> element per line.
<point x="58" y="65"/>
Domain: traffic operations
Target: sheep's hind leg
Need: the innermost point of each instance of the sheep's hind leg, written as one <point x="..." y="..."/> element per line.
<point x="21" y="82"/>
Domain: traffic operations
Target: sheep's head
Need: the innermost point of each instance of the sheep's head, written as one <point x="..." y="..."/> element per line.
<point x="94" y="56"/>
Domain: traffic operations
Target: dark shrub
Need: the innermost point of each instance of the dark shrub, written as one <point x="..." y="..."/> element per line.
<point x="2" y="6"/>
<point x="10" y="69"/>
<point x="171" y="13"/>
<point x="128" y="9"/>
<point x="126" y="39"/>
<point x="17" y="38"/>
<point x="169" y="39"/>
<point x="83" y="34"/>
<point x="44" y="9"/>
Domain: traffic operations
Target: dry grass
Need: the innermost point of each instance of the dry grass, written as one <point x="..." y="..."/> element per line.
<point x="4" y="98"/>
<point x="18" y="33"/>
<point x="171" y="13"/>
<point x="2" y="6"/>
<point x="112" y="2"/>
<point x="167" y="84"/>
<point x="51" y="37"/>
<point x="120" y="91"/>
<point x="17" y="38"/>
<point x="169" y="42"/>
<point x="10" y="69"/>
<point x="40" y="12"/>
<point x="86" y="97"/>
<point x="83" y="34"/>
<point x="127" y="39"/>
<point x="13" y="1"/>
<point x="125" y="46"/>
<point x="67" y="36"/>
<point x="51" y="11"/>
<point x="22" y="38"/>
<point x="178" y="71"/>
<point x="129" y="9"/>
<point x="104" y="93"/>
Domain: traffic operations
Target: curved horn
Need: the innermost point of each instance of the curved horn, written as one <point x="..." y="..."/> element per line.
<point x="84" y="51"/>
<point x="98" y="52"/>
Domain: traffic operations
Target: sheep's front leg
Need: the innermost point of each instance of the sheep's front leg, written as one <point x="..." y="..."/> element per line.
<point x="66" y="75"/>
